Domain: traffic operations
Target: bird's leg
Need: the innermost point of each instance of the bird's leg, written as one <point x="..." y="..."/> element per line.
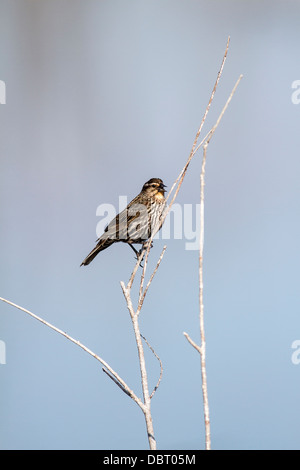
<point x="137" y="253"/>
<point x="144" y="248"/>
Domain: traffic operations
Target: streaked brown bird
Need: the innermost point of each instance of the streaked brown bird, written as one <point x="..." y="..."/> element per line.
<point x="141" y="219"/>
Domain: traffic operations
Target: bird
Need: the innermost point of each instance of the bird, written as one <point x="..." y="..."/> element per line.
<point x="141" y="219"/>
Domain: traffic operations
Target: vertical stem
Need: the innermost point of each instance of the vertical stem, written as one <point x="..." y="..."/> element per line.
<point x="147" y="411"/>
<point x="146" y="405"/>
<point x="201" y="309"/>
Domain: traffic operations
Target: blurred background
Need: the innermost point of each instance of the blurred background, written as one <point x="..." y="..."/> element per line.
<point x="100" y="97"/>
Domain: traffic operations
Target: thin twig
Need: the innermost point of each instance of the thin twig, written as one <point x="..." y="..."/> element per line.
<point x="142" y="294"/>
<point x="134" y="318"/>
<point x="144" y="378"/>
<point x="209" y="135"/>
<point x="202" y="349"/>
<point x="201" y="308"/>
<point x="160" y="363"/>
<point x="195" y="148"/>
<point x="147" y="412"/>
<point x="82" y="346"/>
<point x="116" y="381"/>
<point x="149" y="243"/>
<point x="195" y="345"/>
<point x="136" y="267"/>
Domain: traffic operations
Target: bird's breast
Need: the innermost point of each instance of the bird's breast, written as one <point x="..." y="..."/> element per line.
<point x="159" y="197"/>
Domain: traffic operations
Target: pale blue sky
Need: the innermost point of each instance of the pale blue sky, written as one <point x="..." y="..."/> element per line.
<point x="102" y="96"/>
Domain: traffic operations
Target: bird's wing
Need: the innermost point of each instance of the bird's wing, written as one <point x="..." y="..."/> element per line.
<point x="119" y="227"/>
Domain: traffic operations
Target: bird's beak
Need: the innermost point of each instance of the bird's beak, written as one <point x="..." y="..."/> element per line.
<point x="162" y="187"/>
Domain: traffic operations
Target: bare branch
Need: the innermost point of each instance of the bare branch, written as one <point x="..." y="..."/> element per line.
<point x="147" y="412"/>
<point x="116" y="381"/>
<point x="126" y="292"/>
<point x="142" y="294"/>
<point x="145" y="252"/>
<point x="202" y="349"/>
<point x="160" y="363"/>
<point x="82" y="346"/>
<point x="145" y="405"/>
<point x="195" y="345"/>
<point x="143" y="370"/>
<point x="209" y="135"/>
<point x="136" y="267"/>
<point x="144" y="271"/>
<point x="134" y="318"/>
<point x="181" y="175"/>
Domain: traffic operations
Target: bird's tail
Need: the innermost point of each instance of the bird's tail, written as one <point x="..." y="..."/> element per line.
<point x="102" y="245"/>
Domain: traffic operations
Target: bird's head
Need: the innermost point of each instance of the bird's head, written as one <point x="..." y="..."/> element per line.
<point x="154" y="188"/>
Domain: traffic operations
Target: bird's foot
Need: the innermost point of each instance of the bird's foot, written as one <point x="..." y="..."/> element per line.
<point x="139" y="252"/>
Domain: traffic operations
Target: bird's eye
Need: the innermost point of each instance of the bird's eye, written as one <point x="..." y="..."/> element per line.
<point x="153" y="185"/>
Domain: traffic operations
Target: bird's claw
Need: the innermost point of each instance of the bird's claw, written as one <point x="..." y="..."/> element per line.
<point x="139" y="252"/>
